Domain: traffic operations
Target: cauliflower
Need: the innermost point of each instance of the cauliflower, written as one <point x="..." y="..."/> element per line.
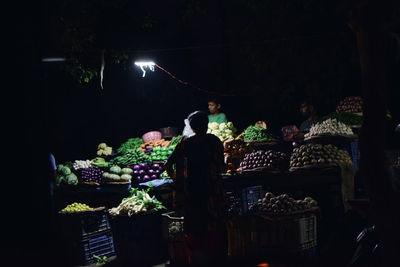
<point x="229" y="125"/>
<point x="208" y="130"/>
<point x="222" y="126"/>
<point x="214" y="126"/>
<point x="228" y="132"/>
<point x="215" y="132"/>
<point x="102" y="146"/>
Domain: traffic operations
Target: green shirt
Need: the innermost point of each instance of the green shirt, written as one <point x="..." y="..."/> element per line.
<point x="220" y="118"/>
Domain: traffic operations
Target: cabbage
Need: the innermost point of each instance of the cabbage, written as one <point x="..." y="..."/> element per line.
<point x="115" y="170"/>
<point x="65" y="170"/>
<point x="126" y="177"/>
<point x="222" y="126"/>
<point x="214" y="126"/>
<point x="71" y="179"/>
<point x="126" y="171"/>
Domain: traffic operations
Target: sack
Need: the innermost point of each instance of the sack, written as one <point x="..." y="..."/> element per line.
<point x="187" y="131"/>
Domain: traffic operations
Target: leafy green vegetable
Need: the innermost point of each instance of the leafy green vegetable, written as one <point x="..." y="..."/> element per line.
<point x="176" y="140"/>
<point x="256" y="133"/>
<point x="131" y="143"/>
<point x="100" y="260"/>
<point x="131" y="157"/>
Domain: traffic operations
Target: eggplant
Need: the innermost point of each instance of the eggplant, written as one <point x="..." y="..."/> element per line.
<point x="154" y="176"/>
<point x="142" y="172"/>
<point x="146" y="177"/>
<point x="136" y="167"/>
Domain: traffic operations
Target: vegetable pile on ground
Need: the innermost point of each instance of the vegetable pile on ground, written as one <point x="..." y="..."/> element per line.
<point x="236" y="148"/>
<point x="347" y="118"/>
<point x="117" y="174"/>
<point x="350" y="104"/>
<point x="154" y="143"/>
<point x="256" y="133"/>
<point x="282" y="204"/>
<point x="329" y="127"/>
<point x="265" y="159"/>
<point x="75" y="207"/>
<point x="222" y="130"/>
<point x="82" y="164"/>
<point x="131" y="157"/>
<point x="139" y="201"/>
<point x="99" y="162"/>
<point x="90" y="175"/>
<point x="103" y="150"/>
<point x="175" y="231"/>
<point x="144" y="172"/>
<point x="175" y="140"/>
<point x="64" y="175"/>
<point x="160" y="153"/>
<point x="131" y="143"/>
<point x="314" y="154"/>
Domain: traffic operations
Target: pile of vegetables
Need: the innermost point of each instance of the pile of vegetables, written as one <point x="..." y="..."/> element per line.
<point x="329" y="127"/>
<point x="82" y="164"/>
<point x="154" y="143"/>
<point x="117" y="174"/>
<point x="64" y="175"/>
<point x="175" y="140"/>
<point x="236" y="148"/>
<point x="350" y="104"/>
<point x="282" y="204"/>
<point x="265" y="159"/>
<point x="175" y="230"/>
<point x="75" y="207"/>
<point x="348" y="118"/>
<point x="131" y="143"/>
<point x="222" y="130"/>
<point x="144" y="172"/>
<point x="256" y="133"/>
<point x="90" y="175"/>
<point x="160" y="153"/>
<point x="99" y="162"/>
<point x="139" y="201"/>
<point x="131" y="157"/>
<point x="314" y="154"/>
<point x="103" y="150"/>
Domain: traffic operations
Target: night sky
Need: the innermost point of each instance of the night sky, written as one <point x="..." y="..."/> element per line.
<point x="271" y="55"/>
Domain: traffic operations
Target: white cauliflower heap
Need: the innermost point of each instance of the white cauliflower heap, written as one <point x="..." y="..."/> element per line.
<point x="222" y="130"/>
<point x="329" y="126"/>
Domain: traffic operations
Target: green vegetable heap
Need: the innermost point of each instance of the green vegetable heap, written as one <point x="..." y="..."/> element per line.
<point x="74" y="207"/>
<point x="175" y="140"/>
<point x="64" y="175"/>
<point x="161" y="153"/>
<point x="131" y="143"/>
<point x="256" y="133"/>
<point x="347" y="118"/>
<point x="131" y="157"/>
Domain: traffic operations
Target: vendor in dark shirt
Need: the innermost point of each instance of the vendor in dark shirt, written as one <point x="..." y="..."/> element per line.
<point x="309" y="112"/>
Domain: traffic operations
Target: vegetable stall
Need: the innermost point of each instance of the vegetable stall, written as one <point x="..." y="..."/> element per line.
<point x="265" y="188"/>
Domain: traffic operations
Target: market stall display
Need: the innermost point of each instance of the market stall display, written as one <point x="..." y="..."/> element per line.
<point x="317" y="155"/>
<point x="222" y="130"/>
<point x="139" y="201"/>
<point x="265" y="160"/>
<point x="131" y="143"/>
<point x="144" y="172"/>
<point x="350" y="104"/>
<point x="282" y="204"/>
<point x="104" y="150"/>
<point x="130" y="157"/>
<point x="118" y="175"/>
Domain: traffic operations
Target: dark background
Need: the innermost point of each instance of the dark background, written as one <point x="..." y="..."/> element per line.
<point x="277" y="53"/>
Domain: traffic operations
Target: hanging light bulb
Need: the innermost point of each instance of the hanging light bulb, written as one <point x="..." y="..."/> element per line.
<point x="143" y="64"/>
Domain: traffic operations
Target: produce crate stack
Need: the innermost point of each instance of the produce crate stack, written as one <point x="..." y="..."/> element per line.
<point x="85" y="236"/>
<point x="240" y="200"/>
<point x="173" y="236"/>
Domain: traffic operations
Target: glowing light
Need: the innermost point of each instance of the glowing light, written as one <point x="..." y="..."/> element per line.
<point x="53" y="59"/>
<point x="263" y="264"/>
<point x="143" y="64"/>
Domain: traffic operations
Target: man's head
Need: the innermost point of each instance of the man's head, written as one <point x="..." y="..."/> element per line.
<point x="198" y="121"/>
<point x="307" y="109"/>
<point x="214" y="106"/>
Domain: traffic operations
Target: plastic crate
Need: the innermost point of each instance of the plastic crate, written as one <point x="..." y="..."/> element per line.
<point x="94" y="223"/>
<point x="100" y="245"/>
<point x="240" y="200"/>
<point x="173" y="235"/>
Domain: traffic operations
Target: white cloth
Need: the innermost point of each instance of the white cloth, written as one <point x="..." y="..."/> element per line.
<point x="187" y="131"/>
